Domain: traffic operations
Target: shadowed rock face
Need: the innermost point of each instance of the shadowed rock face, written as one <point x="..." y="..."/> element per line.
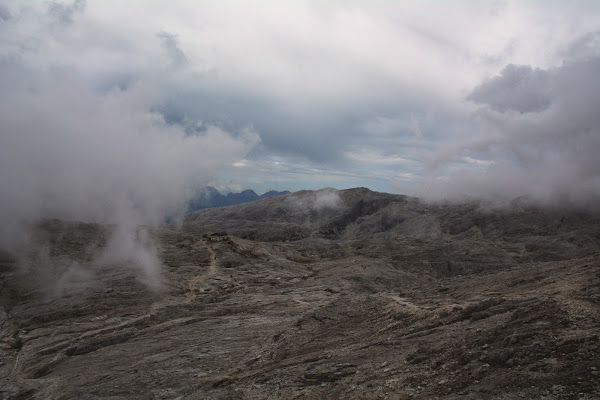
<point x="371" y="296"/>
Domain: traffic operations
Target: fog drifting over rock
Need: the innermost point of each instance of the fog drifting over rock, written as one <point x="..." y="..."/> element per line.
<point x="73" y="152"/>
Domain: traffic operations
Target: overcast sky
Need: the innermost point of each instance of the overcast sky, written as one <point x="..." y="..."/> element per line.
<point x="430" y="98"/>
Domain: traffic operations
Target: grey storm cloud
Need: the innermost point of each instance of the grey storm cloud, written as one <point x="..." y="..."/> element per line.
<point x="306" y="133"/>
<point x="518" y="88"/>
<point x="584" y="47"/>
<point x="549" y="153"/>
<point x="171" y="45"/>
<point x="4" y="13"/>
<point x="65" y="13"/>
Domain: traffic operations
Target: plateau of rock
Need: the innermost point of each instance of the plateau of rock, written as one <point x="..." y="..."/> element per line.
<point x="316" y="295"/>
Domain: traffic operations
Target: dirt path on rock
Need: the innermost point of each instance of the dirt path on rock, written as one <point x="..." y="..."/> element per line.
<point x="212" y="267"/>
<point x="195" y="284"/>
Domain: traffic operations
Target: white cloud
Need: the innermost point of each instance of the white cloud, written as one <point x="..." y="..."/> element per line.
<point x="476" y="161"/>
<point x="373" y="157"/>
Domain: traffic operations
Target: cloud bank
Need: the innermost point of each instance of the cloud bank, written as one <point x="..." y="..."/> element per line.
<point x="446" y="100"/>
<point x="540" y="132"/>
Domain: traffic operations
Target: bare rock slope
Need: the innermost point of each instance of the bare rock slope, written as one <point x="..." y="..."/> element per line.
<point x="350" y="294"/>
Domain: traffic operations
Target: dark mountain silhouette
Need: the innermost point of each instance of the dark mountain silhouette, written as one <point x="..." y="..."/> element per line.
<point x="209" y="197"/>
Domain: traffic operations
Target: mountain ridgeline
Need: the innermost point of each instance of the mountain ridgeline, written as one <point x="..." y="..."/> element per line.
<point x="360" y="213"/>
<point x="209" y="197"/>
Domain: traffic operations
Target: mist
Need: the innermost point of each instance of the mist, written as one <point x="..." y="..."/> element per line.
<point x="315" y="202"/>
<point x="326" y="199"/>
<point x="71" y="152"/>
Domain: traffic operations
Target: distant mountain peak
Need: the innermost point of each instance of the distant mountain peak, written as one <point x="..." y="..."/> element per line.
<point x="272" y="193"/>
<point x="209" y="197"/>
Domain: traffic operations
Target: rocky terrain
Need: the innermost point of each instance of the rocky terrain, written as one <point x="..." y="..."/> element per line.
<point x="318" y="295"/>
